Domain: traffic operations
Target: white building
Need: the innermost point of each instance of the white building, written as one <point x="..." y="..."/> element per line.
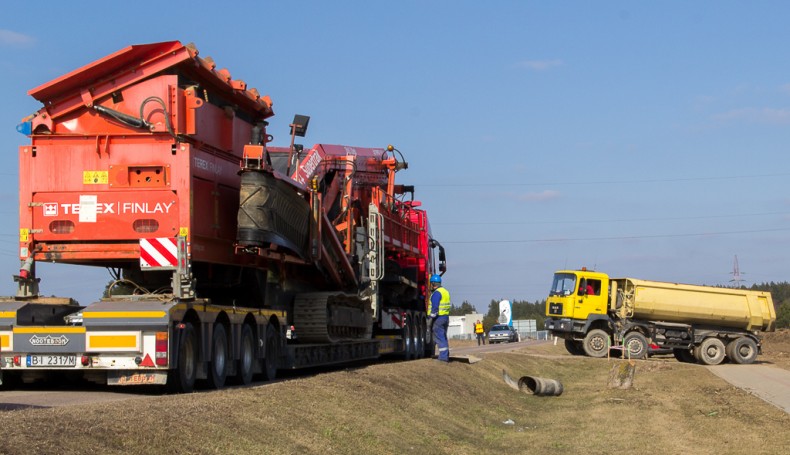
<point x="463" y="327"/>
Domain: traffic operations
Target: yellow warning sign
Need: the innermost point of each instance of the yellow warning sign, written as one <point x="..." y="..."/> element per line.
<point x="94" y="177"/>
<point x="183" y="232"/>
<point x="24" y="235"/>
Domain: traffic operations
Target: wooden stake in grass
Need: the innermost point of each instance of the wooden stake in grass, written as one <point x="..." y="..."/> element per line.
<point x="621" y="376"/>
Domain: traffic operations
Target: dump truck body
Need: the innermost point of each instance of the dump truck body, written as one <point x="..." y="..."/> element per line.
<point x="595" y="314"/>
<point x="690" y="304"/>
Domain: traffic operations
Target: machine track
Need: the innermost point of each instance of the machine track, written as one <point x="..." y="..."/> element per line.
<point x="330" y="317"/>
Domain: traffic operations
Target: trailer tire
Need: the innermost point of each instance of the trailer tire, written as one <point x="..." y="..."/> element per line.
<point x="218" y="367"/>
<point x="636" y="344"/>
<point x="271" y="354"/>
<point x="182" y="378"/>
<point x="684" y="355"/>
<point x="596" y="343"/>
<point x="246" y="363"/>
<point x="710" y="352"/>
<point x="407" y="338"/>
<point x="742" y="350"/>
<point x="415" y="337"/>
<point x="574" y="347"/>
<point x="419" y="337"/>
<point x="430" y="347"/>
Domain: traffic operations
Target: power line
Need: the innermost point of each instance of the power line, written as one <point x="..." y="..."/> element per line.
<point x="586" y="221"/>
<point x="603" y="182"/>
<point x="625" y="237"/>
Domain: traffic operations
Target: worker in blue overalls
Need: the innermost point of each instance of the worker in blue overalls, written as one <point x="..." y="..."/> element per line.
<point x="440" y="313"/>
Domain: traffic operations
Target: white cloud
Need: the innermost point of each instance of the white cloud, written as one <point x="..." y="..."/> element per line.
<point x="9" y="38"/>
<point x="755" y="115"/>
<point x="539" y="65"/>
<point x="545" y="195"/>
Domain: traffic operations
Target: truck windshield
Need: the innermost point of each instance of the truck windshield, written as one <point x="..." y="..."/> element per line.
<point x="564" y="284"/>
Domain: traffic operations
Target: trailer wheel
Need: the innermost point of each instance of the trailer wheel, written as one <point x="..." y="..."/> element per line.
<point x="415" y="338"/>
<point x="407" y="339"/>
<point x="246" y="362"/>
<point x="710" y="352"/>
<point x="596" y="343"/>
<point x="742" y="350"/>
<point x="419" y="338"/>
<point x="574" y="347"/>
<point x="218" y="367"/>
<point x="636" y="343"/>
<point x="684" y="355"/>
<point x="271" y="354"/>
<point x="182" y="378"/>
<point x="430" y="347"/>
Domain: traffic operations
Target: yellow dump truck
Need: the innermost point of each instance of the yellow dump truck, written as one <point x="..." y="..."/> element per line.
<point x="595" y="314"/>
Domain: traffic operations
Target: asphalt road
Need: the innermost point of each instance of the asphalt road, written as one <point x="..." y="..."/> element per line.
<point x="769" y="383"/>
<point x="40" y="398"/>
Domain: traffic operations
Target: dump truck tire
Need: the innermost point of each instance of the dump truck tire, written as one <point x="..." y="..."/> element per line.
<point x="596" y="343"/>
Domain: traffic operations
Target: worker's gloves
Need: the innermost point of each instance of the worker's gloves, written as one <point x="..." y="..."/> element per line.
<point x="433" y="315"/>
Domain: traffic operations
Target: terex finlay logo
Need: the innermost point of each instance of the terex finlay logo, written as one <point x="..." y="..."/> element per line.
<point x="49" y="340"/>
<point x="50" y="209"/>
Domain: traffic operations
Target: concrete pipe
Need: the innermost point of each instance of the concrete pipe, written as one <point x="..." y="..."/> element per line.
<point x="540" y="386"/>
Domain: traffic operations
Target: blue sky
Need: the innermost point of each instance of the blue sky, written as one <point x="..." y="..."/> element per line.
<point x="641" y="139"/>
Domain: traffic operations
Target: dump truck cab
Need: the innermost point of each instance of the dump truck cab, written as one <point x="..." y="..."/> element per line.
<point x="577" y="294"/>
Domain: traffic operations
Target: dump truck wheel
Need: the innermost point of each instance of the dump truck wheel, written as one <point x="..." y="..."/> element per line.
<point x="574" y="347"/>
<point x="636" y="343"/>
<point x="270" y="361"/>
<point x="684" y="355"/>
<point x="742" y="350"/>
<point x="182" y="378"/>
<point x="710" y="352"/>
<point x="246" y="363"/>
<point x="218" y="367"/>
<point x="596" y="343"/>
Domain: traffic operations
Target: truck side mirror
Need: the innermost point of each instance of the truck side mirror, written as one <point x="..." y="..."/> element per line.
<point x="442" y="257"/>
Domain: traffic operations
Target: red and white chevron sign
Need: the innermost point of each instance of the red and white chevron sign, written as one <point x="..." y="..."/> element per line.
<point x="160" y="253"/>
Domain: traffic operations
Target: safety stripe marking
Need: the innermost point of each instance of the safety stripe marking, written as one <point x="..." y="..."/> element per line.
<point x="158" y="252"/>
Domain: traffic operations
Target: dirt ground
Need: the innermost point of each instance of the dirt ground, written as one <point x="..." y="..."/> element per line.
<point x="776" y="349"/>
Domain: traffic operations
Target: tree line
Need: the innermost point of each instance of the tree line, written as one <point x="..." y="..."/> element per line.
<point x="522" y="309"/>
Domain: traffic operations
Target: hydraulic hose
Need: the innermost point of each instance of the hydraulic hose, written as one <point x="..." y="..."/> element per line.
<point x="126" y="119"/>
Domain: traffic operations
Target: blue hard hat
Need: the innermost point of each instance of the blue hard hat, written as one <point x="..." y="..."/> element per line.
<point x="436" y="278"/>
